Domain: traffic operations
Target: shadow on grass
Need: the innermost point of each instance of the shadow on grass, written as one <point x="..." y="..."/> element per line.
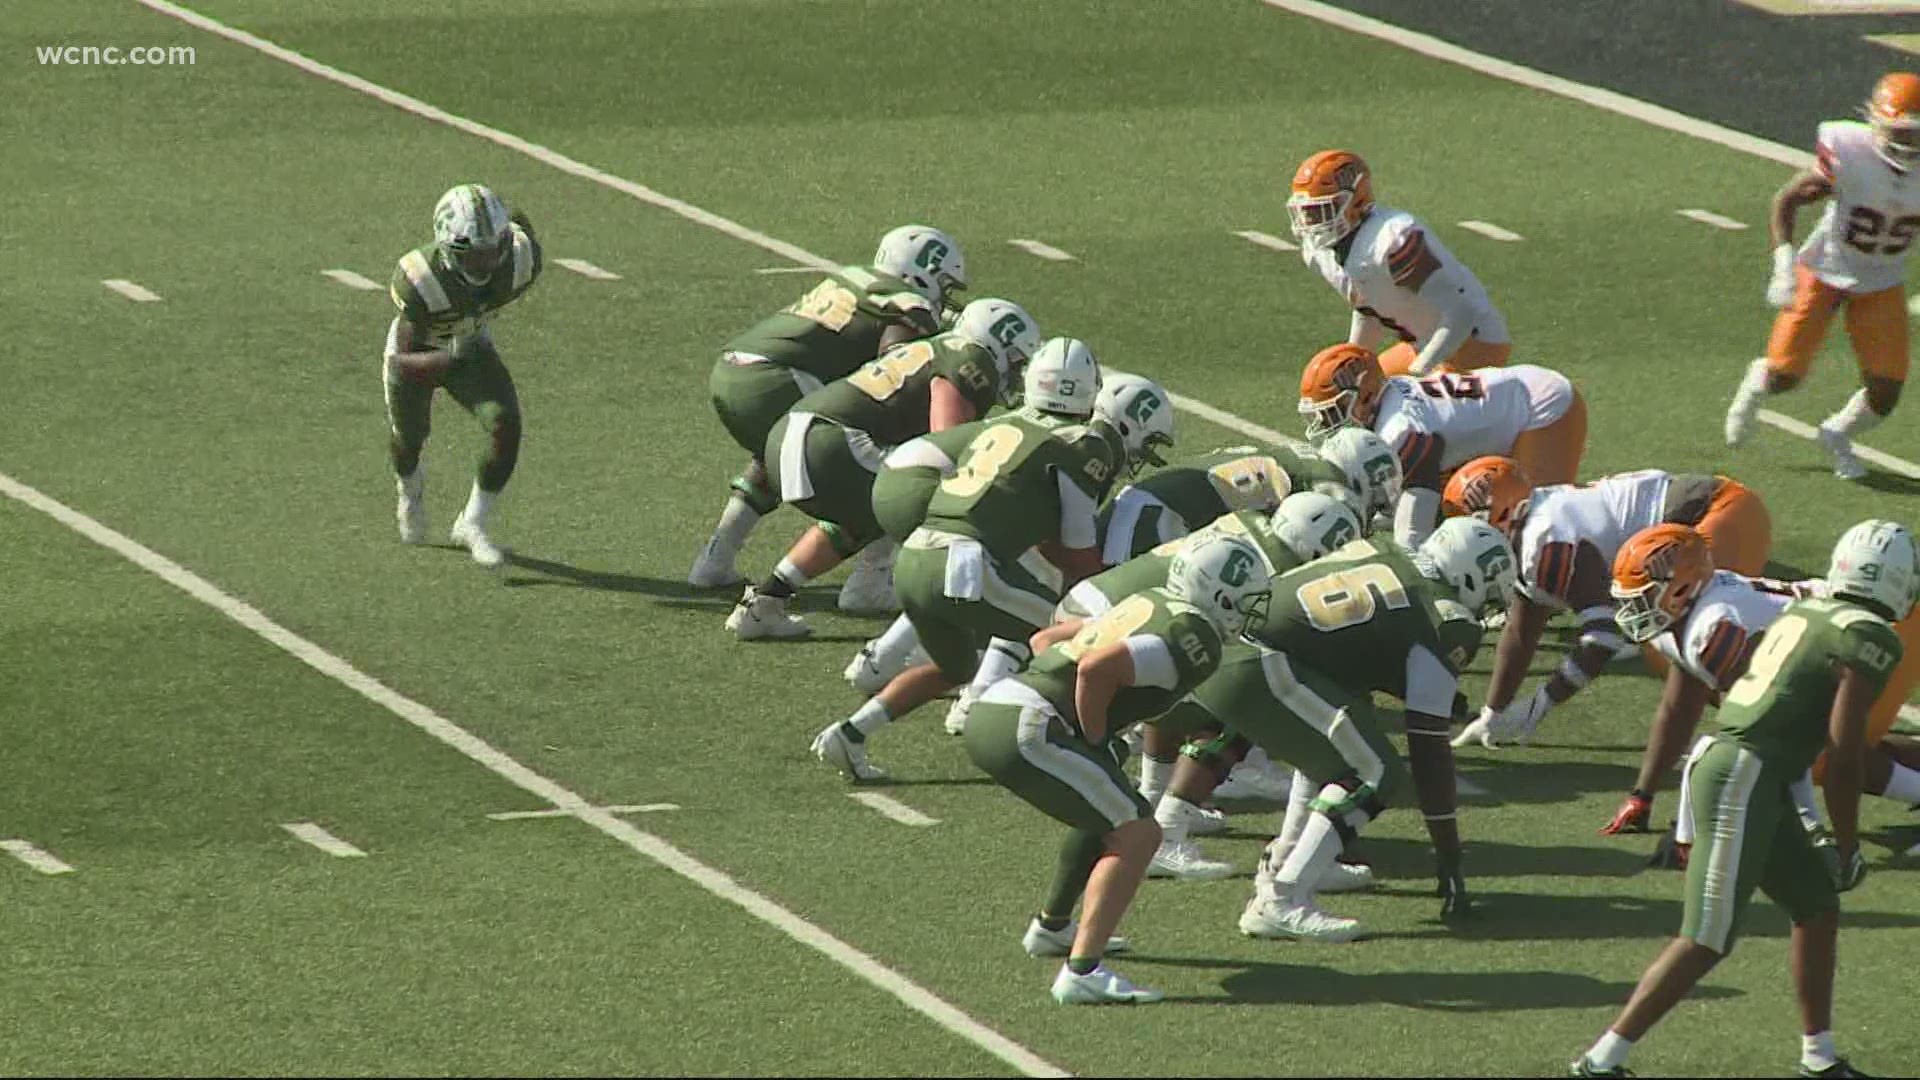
<point x="1439" y="991"/>
<point x="559" y="573"/>
<point x="1877" y="479"/>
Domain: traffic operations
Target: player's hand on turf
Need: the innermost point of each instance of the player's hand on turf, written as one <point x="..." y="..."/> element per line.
<point x="1634" y="816"/>
<point x="1455" y="903"/>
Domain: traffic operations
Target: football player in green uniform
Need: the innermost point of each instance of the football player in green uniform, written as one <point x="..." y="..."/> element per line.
<point x="1370" y="618"/>
<point x="1809" y="687"/>
<point x="1139" y="415"/>
<point x="1050" y="737"/>
<point x="826" y="453"/>
<point x="1004" y="537"/>
<point x="846" y="320"/>
<point x="481" y="260"/>
<point x="1353" y="465"/>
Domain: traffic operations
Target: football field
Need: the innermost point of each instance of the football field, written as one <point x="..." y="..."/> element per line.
<point x="208" y="632"/>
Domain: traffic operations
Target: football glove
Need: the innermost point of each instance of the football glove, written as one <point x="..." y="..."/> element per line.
<point x="1634" y="815"/>
<point x="1454" y="901"/>
<point x="1669" y="853"/>
<point x="1848" y="872"/>
<point x="1780" y="285"/>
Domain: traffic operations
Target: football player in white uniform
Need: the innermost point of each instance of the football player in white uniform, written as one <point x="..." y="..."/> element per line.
<point x="1567" y="538"/>
<point x="1855" y="257"/>
<point x="1439" y="423"/>
<point x="1400" y="280"/>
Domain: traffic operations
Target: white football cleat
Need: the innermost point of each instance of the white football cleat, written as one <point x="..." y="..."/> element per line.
<point x="956" y="722"/>
<point x="714" y="568"/>
<point x="1207" y="821"/>
<point x="863" y="674"/>
<point x="869" y="589"/>
<point x="1279" y="918"/>
<point x="1344" y="877"/>
<point x="834" y="748"/>
<point x="1845" y="465"/>
<point x="1040" y="941"/>
<point x="1493" y="620"/>
<point x="1182" y="859"/>
<point x="1746" y="405"/>
<point x="474" y="538"/>
<point x="1252" y="782"/>
<point x="1099" y="987"/>
<point x="757" y="616"/>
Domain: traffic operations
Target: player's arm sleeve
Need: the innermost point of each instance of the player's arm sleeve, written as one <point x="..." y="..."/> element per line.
<point x="912" y="311"/>
<point x="1431" y="684"/>
<point x="1077" y="513"/>
<point x="1873" y="649"/>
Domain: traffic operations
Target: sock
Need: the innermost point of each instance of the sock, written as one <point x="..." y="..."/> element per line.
<point x="413" y="484"/>
<point x="1083" y="965"/>
<point x="1610" y="1052"/>
<point x="1079" y="851"/>
<point x="890" y="649"/>
<point x="1854" y="418"/>
<point x="1002" y="658"/>
<point x="1174" y="813"/>
<point x="1309" y="860"/>
<point x="479" y="504"/>
<point x="866" y="720"/>
<point x="736" y="523"/>
<point x="1055" y="923"/>
<point x="1803" y="800"/>
<point x="1299" y="798"/>
<point x="786" y="580"/>
<point x="1755" y="380"/>
<point x="1817" y="1052"/>
<point x="1903" y="784"/>
<point x="1155" y="775"/>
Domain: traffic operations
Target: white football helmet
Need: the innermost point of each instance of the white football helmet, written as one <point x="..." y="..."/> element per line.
<point x="1139" y="409"/>
<point x="1312" y="524"/>
<point x="1475" y="559"/>
<point x="1063" y="377"/>
<point x="471" y="225"/>
<point x="1372" y="468"/>
<point x="1226" y="578"/>
<point x="1875" y="560"/>
<point x="1004" y="329"/>
<point x="925" y="258"/>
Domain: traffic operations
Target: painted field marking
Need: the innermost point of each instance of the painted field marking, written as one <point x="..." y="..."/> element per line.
<point x="137" y="293"/>
<point x="787" y="270"/>
<point x="324" y="840"/>
<point x="33" y="855"/>
<point x="1043" y="250"/>
<point x="1708" y="217"/>
<point x="892" y="808"/>
<point x="352" y="280"/>
<point x="1266" y="240"/>
<point x="587" y="269"/>
<point x="1492" y="231"/>
<point x="632" y="808"/>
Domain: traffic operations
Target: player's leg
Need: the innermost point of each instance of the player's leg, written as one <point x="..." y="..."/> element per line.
<point x="1738" y="528"/>
<point x="1551" y="453"/>
<point x="1397" y="358"/>
<point x="409" y="420"/>
<point x="480" y="382"/>
<point x="1480" y="353"/>
<point x="748" y="398"/>
<point x="825" y="476"/>
<point x="900" y="498"/>
<point x="1016" y="599"/>
<point x="1798" y="878"/>
<point x="1797" y="332"/>
<point x="1186" y="743"/>
<point x="1877" y="327"/>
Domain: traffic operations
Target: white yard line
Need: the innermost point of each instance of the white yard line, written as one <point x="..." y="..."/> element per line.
<point x="1865" y="453"/>
<point x="352" y="280"/>
<point x="892" y="808"/>
<point x="1708" y="217"/>
<point x="38" y="858"/>
<point x="1266" y="240"/>
<point x="1042" y="249"/>
<point x="1491" y="231"/>
<point x="787" y="270"/>
<point x="138" y="293"/>
<point x="324" y="840"/>
<point x="631" y="808"/>
<point x="587" y="269"/>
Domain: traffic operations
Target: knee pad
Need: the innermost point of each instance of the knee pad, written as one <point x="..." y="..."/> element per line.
<point x="759" y="496"/>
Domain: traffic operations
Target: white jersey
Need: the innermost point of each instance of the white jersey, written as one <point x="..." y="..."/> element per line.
<point x="1398" y="273"/>
<point x="1471" y="415"/>
<point x="1603" y="514"/>
<point x="1731" y="611"/>
<point x="1860" y="244"/>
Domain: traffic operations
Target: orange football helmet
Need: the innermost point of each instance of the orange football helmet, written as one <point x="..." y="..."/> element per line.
<point x="1332" y="195"/>
<point x="1657" y="576"/>
<point x="1341" y="387"/>
<point x="1492" y="488"/>
<point x="1893" y="112"/>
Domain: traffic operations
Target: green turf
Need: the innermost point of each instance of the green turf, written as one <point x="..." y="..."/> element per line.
<point x="237" y="428"/>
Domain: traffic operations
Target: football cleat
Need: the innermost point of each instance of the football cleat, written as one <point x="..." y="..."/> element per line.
<point x="833" y="747"/>
<point x="1040" y="941"/>
<point x="1746" y="405"/>
<point x="956" y="722"/>
<point x="470" y="535"/>
<point x="1845" y="465"/>
<point x="1583" y="1067"/>
<point x="1836" y="1071"/>
<point x="1182" y="859"/>
<point x="757" y="616"/>
<point x="1206" y="821"/>
<point x="869" y="589"/>
<point x="1279" y="918"/>
<point x="1343" y="877"/>
<point x="1250" y="781"/>
<point x="863" y="672"/>
<point x="714" y="568"/>
<point x="1099" y="987"/>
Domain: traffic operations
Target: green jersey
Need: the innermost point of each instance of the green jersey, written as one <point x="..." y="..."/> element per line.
<point x="838" y="324"/>
<point x="1780" y="707"/>
<point x="889" y="397"/>
<point x="1362" y="615"/>
<point x="1174" y="649"/>
<point x="445" y="307"/>
<point x="1240" y="478"/>
<point x="1150" y="570"/>
<point x="1029" y="478"/>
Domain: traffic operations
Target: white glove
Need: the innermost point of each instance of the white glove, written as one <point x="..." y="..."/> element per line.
<point x="1780" y="286"/>
<point x="1514" y="724"/>
<point x="1480" y="730"/>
